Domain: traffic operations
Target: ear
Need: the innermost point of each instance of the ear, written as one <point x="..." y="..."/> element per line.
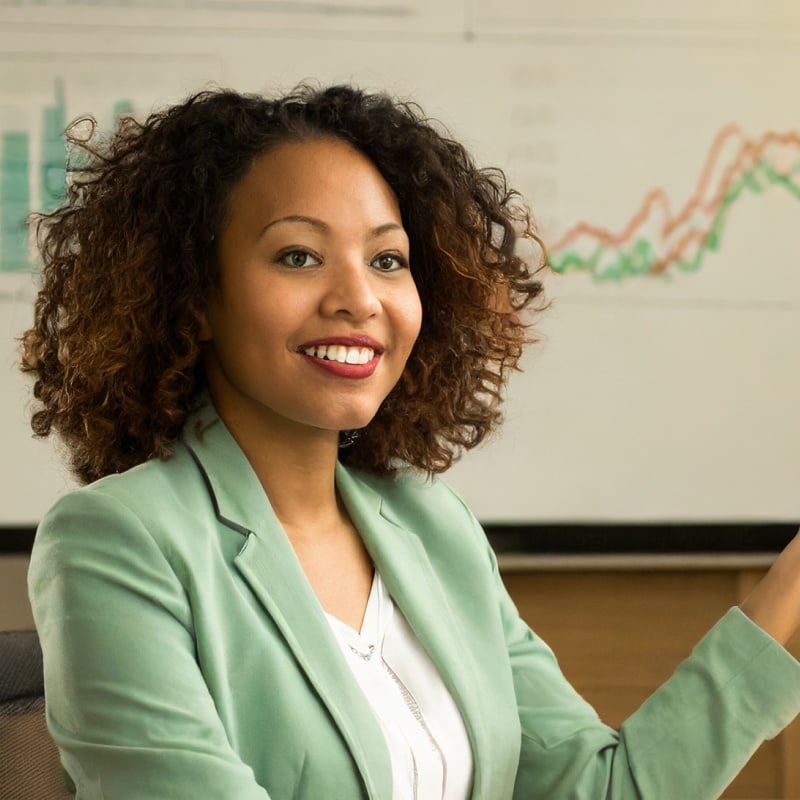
<point x="204" y="333"/>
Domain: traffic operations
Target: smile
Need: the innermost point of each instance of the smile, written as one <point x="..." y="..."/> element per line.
<point x="340" y="353"/>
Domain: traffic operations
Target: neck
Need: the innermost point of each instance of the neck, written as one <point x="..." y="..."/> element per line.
<point x="296" y="466"/>
<point x="300" y="484"/>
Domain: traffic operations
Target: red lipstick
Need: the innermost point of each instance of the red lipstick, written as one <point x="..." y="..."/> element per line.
<point x="362" y="356"/>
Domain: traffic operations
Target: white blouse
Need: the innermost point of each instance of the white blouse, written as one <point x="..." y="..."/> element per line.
<point x="425" y="735"/>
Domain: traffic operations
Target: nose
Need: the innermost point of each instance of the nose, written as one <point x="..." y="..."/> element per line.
<point x="351" y="291"/>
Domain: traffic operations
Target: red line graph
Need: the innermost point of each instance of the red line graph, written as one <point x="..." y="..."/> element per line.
<point x="675" y="235"/>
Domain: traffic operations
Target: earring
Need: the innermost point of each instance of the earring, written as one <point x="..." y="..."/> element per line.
<point x="348" y="438"/>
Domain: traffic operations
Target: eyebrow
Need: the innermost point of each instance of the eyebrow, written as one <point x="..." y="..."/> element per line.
<point x="319" y="225"/>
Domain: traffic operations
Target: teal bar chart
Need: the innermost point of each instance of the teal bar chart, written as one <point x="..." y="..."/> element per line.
<point x="15" y="201"/>
<point x="17" y="169"/>
<point x="33" y="180"/>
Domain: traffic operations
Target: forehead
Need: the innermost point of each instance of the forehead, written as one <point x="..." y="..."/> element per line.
<point x="325" y="178"/>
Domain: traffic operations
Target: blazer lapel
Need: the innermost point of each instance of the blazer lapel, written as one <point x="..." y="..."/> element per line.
<point x="268" y="564"/>
<point x="403" y="563"/>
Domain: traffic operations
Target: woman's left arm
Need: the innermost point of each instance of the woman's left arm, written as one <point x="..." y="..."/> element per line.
<point x="691" y="736"/>
<point x="774" y="604"/>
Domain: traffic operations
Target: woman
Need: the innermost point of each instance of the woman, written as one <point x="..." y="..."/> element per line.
<point x="264" y="324"/>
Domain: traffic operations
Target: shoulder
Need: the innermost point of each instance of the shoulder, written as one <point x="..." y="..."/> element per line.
<point x="142" y="490"/>
<point x="155" y="481"/>
<point x="122" y="541"/>
<point x="144" y="508"/>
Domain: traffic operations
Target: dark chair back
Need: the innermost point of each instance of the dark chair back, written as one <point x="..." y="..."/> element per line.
<point x="29" y="763"/>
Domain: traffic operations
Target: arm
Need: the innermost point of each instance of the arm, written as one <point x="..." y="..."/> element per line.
<point x="774" y="604"/>
<point x="688" y="740"/>
<point x="126" y="701"/>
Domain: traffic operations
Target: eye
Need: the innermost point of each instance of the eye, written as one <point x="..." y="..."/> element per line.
<point x="297" y="258"/>
<point x="389" y="262"/>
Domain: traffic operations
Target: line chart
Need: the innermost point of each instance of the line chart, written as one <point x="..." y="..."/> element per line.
<point x="656" y="240"/>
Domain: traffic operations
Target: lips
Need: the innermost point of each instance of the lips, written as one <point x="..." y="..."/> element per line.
<point x="346" y="357"/>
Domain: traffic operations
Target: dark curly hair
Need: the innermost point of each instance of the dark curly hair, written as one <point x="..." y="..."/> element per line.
<point x="129" y="262"/>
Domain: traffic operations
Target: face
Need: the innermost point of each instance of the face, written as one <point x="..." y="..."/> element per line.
<point x="316" y="312"/>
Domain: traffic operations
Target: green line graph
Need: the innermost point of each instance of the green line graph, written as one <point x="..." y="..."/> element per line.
<point x="656" y="242"/>
<point x="641" y="258"/>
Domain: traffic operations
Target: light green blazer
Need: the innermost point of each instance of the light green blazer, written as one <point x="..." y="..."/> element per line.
<point x="187" y="658"/>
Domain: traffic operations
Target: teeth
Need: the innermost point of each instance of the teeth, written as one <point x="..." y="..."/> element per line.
<point x="341" y="354"/>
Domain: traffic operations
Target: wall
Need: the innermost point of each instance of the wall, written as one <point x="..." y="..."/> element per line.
<point x="657" y="145"/>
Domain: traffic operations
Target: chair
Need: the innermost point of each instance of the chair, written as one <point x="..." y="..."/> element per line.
<point x="29" y="763"/>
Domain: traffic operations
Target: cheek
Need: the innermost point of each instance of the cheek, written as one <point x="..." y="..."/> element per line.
<point x="411" y="318"/>
<point x="242" y="328"/>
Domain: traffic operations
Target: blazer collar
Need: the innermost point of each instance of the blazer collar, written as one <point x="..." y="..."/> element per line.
<point x="268" y="563"/>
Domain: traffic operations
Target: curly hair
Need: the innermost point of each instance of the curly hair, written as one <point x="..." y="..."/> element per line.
<point x="129" y="262"/>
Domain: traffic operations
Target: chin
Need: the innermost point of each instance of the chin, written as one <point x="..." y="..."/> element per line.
<point x="349" y="418"/>
<point x="354" y="422"/>
<point x="354" y="425"/>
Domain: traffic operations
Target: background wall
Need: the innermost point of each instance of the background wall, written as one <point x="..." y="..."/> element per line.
<point x="658" y="146"/>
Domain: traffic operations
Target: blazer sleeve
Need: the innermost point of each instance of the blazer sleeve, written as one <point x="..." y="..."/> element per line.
<point x="126" y="702"/>
<point x="688" y="740"/>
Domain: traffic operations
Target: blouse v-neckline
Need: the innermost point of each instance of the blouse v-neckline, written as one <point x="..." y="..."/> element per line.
<point x="424" y="731"/>
<point x="377" y="615"/>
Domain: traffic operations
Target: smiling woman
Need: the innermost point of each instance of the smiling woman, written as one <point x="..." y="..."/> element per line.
<point x="171" y="181"/>
<point x="236" y="605"/>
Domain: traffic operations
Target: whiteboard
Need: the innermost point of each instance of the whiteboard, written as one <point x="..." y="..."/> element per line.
<point x="658" y="146"/>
